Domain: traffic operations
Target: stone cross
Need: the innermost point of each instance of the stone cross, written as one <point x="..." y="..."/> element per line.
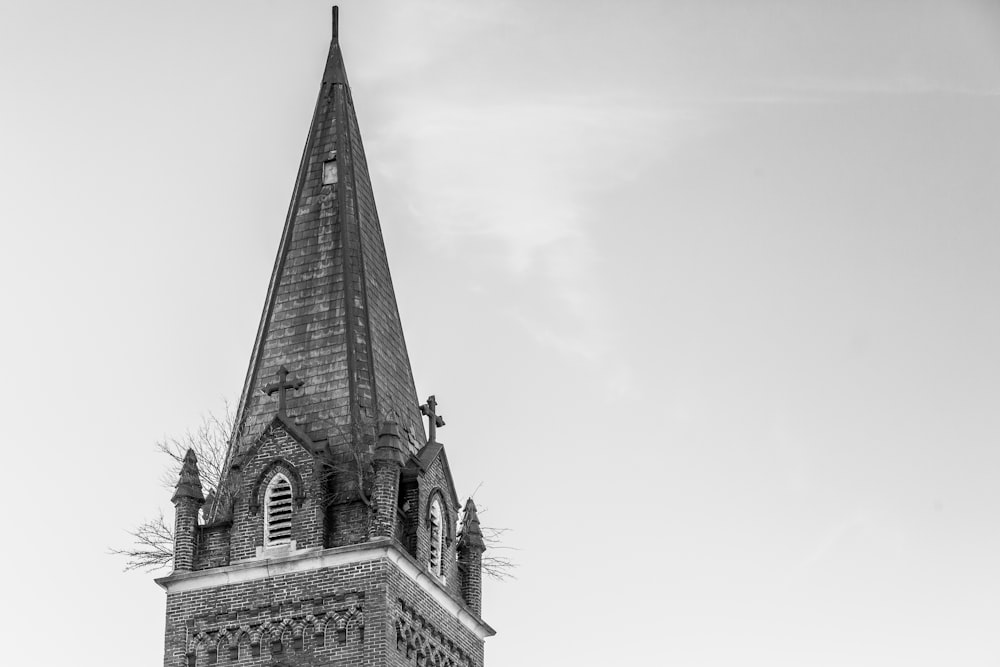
<point x="435" y="421"/>
<point x="280" y="386"/>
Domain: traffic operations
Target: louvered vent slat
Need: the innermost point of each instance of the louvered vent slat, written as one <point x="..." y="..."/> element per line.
<point x="437" y="535"/>
<point x="278" y="522"/>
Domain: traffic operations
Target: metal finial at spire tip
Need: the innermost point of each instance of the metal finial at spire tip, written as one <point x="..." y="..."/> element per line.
<point x="335" y="21"/>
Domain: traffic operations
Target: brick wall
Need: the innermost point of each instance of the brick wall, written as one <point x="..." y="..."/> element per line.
<point x="278" y="450"/>
<point x="319" y="521"/>
<point x="347" y="524"/>
<point x="435" y="481"/>
<point x="423" y="632"/>
<point x="324" y="617"/>
<point x="213" y="546"/>
<point x="367" y="614"/>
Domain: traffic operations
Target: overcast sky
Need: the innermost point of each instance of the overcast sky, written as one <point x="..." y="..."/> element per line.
<point x="707" y="292"/>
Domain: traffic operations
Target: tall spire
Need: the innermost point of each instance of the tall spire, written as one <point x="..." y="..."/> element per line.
<point x="330" y="316"/>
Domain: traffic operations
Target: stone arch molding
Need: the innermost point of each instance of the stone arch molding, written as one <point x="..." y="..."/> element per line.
<point x="234" y="640"/>
<point x="421" y="642"/>
<point x="273" y="467"/>
<point x="446" y="514"/>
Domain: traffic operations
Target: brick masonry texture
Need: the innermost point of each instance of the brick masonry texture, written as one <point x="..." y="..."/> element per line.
<point x="422" y="629"/>
<point x="325" y="617"/>
<point x="435" y="483"/>
<point x="385" y="500"/>
<point x="367" y="613"/>
<point x="362" y="614"/>
<point x="185" y="533"/>
<point x="319" y="519"/>
<point x="277" y="452"/>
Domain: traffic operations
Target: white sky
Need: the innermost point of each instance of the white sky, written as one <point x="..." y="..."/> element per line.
<point x="707" y="292"/>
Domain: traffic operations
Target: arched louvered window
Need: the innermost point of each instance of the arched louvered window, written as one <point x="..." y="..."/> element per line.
<point x="436" y="560"/>
<point x="278" y="512"/>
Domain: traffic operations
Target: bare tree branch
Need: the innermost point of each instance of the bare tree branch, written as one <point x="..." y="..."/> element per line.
<point x="209" y="442"/>
<point x="152" y="546"/>
<point x="358" y="456"/>
<point x="498" y="567"/>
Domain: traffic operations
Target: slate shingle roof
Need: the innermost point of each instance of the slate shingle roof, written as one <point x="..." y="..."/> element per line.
<point x="189" y="481"/>
<point x="330" y="315"/>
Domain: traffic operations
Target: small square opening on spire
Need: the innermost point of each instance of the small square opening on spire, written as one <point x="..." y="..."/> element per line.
<point x="330" y="171"/>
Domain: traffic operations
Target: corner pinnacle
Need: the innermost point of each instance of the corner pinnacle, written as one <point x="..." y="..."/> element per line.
<point x="189" y="481"/>
<point x="472" y="534"/>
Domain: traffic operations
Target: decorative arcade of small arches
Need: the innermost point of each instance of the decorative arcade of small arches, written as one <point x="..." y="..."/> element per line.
<point x="275" y="636"/>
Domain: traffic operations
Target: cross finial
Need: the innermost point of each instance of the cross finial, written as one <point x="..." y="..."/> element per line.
<point x="435" y="421"/>
<point x="280" y="386"/>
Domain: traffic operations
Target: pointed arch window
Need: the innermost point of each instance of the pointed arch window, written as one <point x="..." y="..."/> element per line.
<point x="436" y="560"/>
<point x="278" y="512"/>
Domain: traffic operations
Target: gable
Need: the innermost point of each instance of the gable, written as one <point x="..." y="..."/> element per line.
<point x="432" y="458"/>
<point x="281" y="427"/>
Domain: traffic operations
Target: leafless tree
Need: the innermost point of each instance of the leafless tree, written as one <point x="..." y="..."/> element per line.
<point x="498" y="563"/>
<point x="209" y="442"/>
<point x="152" y="542"/>
<point x="497" y="566"/>
<point x="152" y="546"/>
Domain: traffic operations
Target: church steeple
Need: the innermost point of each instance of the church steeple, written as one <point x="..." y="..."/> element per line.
<point x="331" y="537"/>
<point x="330" y="315"/>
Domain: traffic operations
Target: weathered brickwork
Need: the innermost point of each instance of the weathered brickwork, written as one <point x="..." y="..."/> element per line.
<point x="364" y="614"/>
<point x="278" y="452"/>
<point x="470" y="578"/>
<point x="316" y="618"/>
<point x="385" y="499"/>
<point x="434" y="482"/>
<point x="213" y="546"/>
<point x="323" y="518"/>
<point x="185" y="533"/>
<point x="348" y="524"/>
<point x="423" y="632"/>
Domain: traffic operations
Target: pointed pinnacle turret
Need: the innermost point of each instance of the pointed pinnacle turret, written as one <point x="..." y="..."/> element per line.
<point x="389" y="446"/>
<point x="472" y="534"/>
<point x="189" y="481"/>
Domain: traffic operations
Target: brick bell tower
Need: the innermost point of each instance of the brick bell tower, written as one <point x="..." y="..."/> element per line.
<point x="332" y="537"/>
